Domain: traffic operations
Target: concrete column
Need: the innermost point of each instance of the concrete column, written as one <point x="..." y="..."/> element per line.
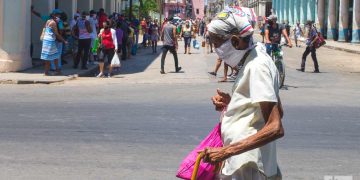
<point x="69" y="7"/>
<point x="311" y="10"/>
<point x="278" y="8"/>
<point x="356" y="22"/>
<point x="282" y="11"/>
<point x="344" y="21"/>
<point x="286" y="10"/>
<point x="321" y="15"/>
<point x="291" y="12"/>
<point x="15" y="35"/>
<point x="331" y="34"/>
<point x="303" y="11"/>
<point x="273" y="6"/>
<point x="97" y="4"/>
<point x="84" y="5"/>
<point x="296" y="10"/>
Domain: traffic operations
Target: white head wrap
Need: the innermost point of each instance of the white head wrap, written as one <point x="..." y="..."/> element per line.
<point x="226" y="23"/>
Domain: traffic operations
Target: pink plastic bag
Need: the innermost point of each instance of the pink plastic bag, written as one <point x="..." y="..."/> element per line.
<point x="206" y="171"/>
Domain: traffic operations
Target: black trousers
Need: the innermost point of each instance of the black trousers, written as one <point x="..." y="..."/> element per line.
<point x="124" y="48"/>
<point x="308" y="50"/>
<point x="84" y="45"/>
<point x="172" y="49"/>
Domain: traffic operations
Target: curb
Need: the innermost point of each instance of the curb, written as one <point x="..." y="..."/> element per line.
<point x="86" y="73"/>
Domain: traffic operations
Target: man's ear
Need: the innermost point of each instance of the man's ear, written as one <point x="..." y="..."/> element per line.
<point x="235" y="41"/>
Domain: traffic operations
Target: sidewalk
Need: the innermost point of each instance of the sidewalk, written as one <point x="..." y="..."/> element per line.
<point x="342" y="46"/>
<point x="35" y="75"/>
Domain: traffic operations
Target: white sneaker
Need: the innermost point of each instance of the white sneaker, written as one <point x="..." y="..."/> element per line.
<point x="100" y="75"/>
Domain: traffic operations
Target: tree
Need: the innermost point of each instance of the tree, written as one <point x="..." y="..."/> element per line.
<point x="147" y="6"/>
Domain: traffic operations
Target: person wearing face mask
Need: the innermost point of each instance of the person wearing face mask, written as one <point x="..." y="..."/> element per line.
<point x="50" y="51"/>
<point x="273" y="32"/>
<point x="252" y="114"/>
<point x="84" y="30"/>
<point x="186" y="33"/>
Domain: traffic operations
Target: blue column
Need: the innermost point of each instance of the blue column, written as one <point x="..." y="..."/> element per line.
<point x="291" y="12"/>
<point x="332" y="32"/>
<point x="356" y="22"/>
<point x="344" y="20"/>
<point x="281" y="11"/>
<point x="296" y="11"/>
<point x="320" y="14"/>
<point x="303" y="11"/>
<point x="286" y="11"/>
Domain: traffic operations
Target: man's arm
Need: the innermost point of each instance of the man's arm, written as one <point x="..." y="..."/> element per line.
<point x="272" y="130"/>
<point x="287" y="37"/>
<point x="267" y="36"/>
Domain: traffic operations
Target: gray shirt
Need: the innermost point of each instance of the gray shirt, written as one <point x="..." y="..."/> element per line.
<point x="169" y="38"/>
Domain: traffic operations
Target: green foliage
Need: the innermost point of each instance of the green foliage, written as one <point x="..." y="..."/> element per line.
<point x="146" y="6"/>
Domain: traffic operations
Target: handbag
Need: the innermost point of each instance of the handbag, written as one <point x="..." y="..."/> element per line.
<point x="320" y="41"/>
<point x="203" y="44"/>
<point x="192" y="168"/>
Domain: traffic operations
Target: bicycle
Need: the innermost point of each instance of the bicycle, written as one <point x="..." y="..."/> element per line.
<point x="277" y="57"/>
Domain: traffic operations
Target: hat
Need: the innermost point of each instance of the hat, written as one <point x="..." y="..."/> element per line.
<point x="56" y="11"/>
<point x="272" y="17"/>
<point x="227" y="23"/>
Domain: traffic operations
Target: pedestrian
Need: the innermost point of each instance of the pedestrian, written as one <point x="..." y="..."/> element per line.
<point x="119" y="36"/>
<point x="252" y="114"/>
<point x="130" y="42"/>
<point x="262" y="32"/>
<point x="187" y="33"/>
<point x="144" y="32"/>
<point x="155" y="31"/>
<point x="170" y="44"/>
<point x="102" y="17"/>
<point x="273" y="32"/>
<point x="208" y="40"/>
<point x="109" y="46"/>
<point x="202" y="27"/>
<point x="217" y="67"/>
<point x="312" y="37"/>
<point x="50" y="51"/>
<point x="84" y="31"/>
<point x="94" y="23"/>
<point x="126" y="31"/>
<point x="59" y="43"/>
<point x="298" y="33"/>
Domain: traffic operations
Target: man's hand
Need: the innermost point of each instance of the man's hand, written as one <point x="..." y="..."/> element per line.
<point x="220" y="100"/>
<point x="215" y="155"/>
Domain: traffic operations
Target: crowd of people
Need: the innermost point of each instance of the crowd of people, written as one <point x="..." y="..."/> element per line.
<point x="90" y="37"/>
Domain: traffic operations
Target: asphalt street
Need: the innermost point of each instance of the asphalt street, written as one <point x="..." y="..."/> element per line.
<point x="140" y="124"/>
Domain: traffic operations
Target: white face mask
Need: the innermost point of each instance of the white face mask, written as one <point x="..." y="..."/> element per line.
<point x="87" y="17"/>
<point x="229" y="54"/>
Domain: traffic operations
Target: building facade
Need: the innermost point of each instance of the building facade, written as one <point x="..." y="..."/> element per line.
<point x="338" y="20"/>
<point x="174" y="8"/>
<point x="19" y="28"/>
<point x="184" y="8"/>
<point x="261" y="7"/>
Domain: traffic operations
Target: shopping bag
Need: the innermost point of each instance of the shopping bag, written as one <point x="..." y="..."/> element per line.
<point x="203" y="44"/>
<point x="115" y="62"/>
<point x="203" y="171"/>
<point x="196" y="44"/>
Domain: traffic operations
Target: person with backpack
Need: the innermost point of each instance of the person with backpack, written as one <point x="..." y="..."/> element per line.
<point x="312" y="38"/>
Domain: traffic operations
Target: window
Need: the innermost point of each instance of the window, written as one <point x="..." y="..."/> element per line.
<point x="197" y="11"/>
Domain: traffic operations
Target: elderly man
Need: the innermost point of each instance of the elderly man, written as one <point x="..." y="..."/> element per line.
<point x="252" y="115"/>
